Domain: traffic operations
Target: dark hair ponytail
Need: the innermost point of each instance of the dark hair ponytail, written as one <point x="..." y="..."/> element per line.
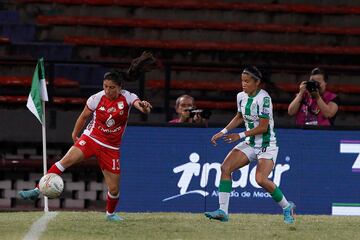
<point x="145" y="63"/>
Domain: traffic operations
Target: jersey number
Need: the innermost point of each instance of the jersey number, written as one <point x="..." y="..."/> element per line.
<point x="115" y="164"/>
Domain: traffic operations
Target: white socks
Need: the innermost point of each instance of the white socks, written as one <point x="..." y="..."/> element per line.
<point x="284" y="203"/>
<point x="224" y="198"/>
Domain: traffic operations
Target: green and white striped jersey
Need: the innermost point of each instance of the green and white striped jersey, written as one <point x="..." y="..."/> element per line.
<point x="252" y="109"/>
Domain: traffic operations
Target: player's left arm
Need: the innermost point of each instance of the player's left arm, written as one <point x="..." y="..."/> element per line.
<point x="143" y="106"/>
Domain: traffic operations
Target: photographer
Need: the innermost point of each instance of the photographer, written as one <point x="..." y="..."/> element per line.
<point x="187" y="112"/>
<point x="314" y="105"/>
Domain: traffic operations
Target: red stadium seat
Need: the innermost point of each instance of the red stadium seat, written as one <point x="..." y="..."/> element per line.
<point x="337" y="88"/>
<point x="182" y="24"/>
<point x="198" y="85"/>
<point x="215" y="46"/>
<point x="25" y="81"/>
<point x="66" y="83"/>
<point x="200" y="4"/>
<point x="4" y="40"/>
<point x="13" y="99"/>
<point x="277" y="106"/>
<point x="69" y="100"/>
<point x="221" y="85"/>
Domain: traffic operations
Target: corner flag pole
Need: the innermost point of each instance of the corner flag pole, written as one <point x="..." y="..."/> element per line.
<point x="36" y="104"/>
<point x="43" y="125"/>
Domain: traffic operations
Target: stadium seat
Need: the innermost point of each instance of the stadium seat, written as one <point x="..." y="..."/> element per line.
<point x="198" y="4"/>
<point x="222" y="85"/>
<point x="223" y="105"/>
<point x="4" y="40"/>
<point x="13" y="99"/>
<point x="183" y="24"/>
<point x="25" y="81"/>
<point x="207" y="46"/>
<point x="66" y="83"/>
<point x="69" y="100"/>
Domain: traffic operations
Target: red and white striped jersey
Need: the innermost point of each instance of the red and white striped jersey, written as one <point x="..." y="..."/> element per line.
<point x="109" y="118"/>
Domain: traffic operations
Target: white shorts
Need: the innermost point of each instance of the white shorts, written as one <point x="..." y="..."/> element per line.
<point x="256" y="153"/>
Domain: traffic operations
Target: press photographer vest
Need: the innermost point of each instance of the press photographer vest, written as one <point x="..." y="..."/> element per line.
<point x="309" y="112"/>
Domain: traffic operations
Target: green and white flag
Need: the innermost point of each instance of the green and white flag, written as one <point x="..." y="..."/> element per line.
<point x="38" y="91"/>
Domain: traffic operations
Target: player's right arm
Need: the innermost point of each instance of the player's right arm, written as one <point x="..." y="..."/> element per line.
<point x="80" y="123"/>
<point x="234" y="123"/>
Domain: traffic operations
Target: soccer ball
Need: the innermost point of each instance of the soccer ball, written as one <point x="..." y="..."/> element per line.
<point x="51" y="185"/>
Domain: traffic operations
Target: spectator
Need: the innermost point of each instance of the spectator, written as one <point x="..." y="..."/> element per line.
<point x="314" y="105"/>
<point x="183" y="106"/>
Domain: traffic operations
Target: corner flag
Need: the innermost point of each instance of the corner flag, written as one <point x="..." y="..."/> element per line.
<point x="36" y="104"/>
<point x="38" y="91"/>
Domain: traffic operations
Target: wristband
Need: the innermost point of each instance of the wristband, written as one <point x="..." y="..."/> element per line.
<point x="224" y="131"/>
<point x="242" y="135"/>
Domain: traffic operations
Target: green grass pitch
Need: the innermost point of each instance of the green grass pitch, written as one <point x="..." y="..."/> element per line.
<point x="92" y="225"/>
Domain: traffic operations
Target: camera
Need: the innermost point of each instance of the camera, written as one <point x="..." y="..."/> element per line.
<point x="312" y="85"/>
<point x="204" y="113"/>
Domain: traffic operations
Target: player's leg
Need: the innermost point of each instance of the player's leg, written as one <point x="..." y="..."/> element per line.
<point x="264" y="167"/>
<point x="233" y="161"/>
<point x="112" y="198"/>
<point x="109" y="161"/>
<point x="75" y="154"/>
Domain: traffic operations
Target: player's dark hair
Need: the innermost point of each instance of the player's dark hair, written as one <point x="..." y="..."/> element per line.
<point x="254" y="72"/>
<point x="116" y="76"/>
<point x="139" y="66"/>
<point x="320" y="71"/>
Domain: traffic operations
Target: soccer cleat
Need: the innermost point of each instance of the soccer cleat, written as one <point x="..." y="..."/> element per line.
<point x="30" y="194"/>
<point x="289" y="213"/>
<point x="113" y="218"/>
<point x="217" y="215"/>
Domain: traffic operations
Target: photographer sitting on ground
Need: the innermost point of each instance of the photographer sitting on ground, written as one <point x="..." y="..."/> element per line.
<point x="314" y="105"/>
<point x="187" y="112"/>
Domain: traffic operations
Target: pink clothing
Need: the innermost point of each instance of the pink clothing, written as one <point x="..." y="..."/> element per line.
<point x="309" y="112"/>
<point x="176" y="120"/>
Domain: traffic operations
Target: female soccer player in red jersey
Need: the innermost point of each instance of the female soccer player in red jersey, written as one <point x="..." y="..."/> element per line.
<point x="102" y="137"/>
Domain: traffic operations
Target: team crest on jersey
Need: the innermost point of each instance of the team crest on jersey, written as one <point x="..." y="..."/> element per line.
<point x="121" y="105"/>
<point x="112" y="109"/>
<point x="253" y="107"/>
<point x="82" y="143"/>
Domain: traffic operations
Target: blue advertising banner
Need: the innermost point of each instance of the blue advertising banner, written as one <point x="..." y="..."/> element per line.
<point x="172" y="169"/>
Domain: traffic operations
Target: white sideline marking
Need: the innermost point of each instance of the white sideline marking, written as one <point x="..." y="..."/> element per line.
<point x="38" y="227"/>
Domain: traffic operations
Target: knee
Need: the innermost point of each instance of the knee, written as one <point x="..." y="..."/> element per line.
<point x="225" y="169"/>
<point x="260" y="179"/>
<point x="113" y="191"/>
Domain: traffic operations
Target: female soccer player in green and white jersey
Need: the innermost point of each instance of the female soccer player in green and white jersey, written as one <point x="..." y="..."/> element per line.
<point x="255" y="109"/>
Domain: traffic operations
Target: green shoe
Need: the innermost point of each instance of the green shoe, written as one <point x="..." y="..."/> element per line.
<point x="30" y="194"/>
<point x="289" y="213"/>
<point x="217" y="215"/>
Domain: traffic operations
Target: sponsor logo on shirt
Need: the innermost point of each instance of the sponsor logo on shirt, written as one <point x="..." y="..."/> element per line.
<point x="107" y="130"/>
